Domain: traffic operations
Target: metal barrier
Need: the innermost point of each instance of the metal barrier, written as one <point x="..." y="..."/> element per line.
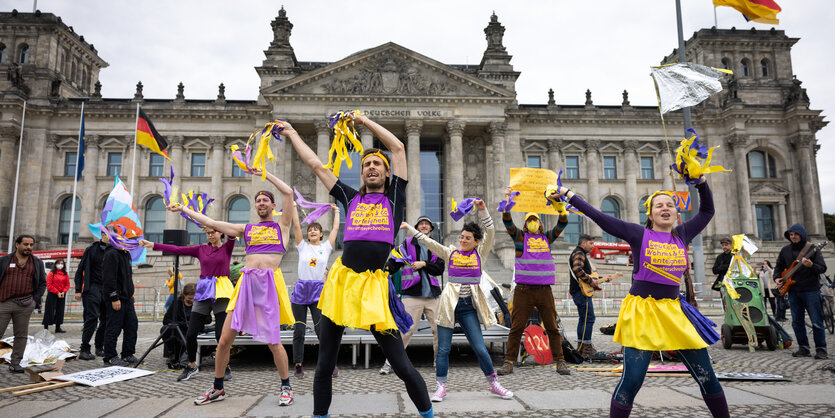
<point x="612" y="294"/>
<point x="147" y="304"/>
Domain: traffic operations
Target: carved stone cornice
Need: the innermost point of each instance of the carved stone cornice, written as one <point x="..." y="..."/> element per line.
<point x="413" y="127"/>
<point x="217" y="141"/>
<point x="92" y="140"/>
<point x="496" y="129"/>
<point x="802" y="140"/>
<point x="555" y="144"/>
<point x="52" y="139"/>
<point x="630" y="145"/>
<point x="322" y="127"/>
<point x="592" y="145"/>
<point x="175" y="140"/>
<point x="737" y="141"/>
<point x="455" y="127"/>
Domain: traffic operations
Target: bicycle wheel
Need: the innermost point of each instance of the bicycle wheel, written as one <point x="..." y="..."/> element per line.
<point x="828" y="319"/>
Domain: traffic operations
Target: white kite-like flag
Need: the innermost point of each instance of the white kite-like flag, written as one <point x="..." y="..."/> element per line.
<point x="682" y="85"/>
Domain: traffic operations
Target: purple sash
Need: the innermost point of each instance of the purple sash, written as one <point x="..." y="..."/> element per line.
<point x="409" y="277"/>
<point x="369" y="218"/>
<point x="663" y="258"/>
<point x="535" y="266"/>
<point x="465" y="267"/>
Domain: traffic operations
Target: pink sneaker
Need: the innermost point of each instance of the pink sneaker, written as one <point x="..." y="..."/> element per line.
<point x="498" y="389"/>
<point x="440" y="393"/>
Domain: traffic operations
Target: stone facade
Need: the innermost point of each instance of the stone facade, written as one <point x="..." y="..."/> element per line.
<point x="762" y="120"/>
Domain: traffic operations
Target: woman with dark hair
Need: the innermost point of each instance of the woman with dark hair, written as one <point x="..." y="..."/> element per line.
<point x="212" y="292"/>
<point x="462" y="299"/>
<point x="57" y="285"/>
<point x="174" y="350"/>
<point x="653" y="316"/>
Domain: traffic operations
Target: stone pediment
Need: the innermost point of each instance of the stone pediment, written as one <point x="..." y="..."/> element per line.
<point x="388" y="70"/>
<point x="769" y="189"/>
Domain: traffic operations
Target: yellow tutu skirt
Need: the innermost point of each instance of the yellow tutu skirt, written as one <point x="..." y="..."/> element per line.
<point x="357" y="300"/>
<point x="224" y="288"/>
<point x="655" y="324"/>
<point x="286" y="314"/>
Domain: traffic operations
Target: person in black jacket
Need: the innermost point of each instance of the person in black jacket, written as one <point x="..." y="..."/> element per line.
<point x="420" y="288"/>
<point x="88" y="289"/>
<point x="722" y="263"/>
<point x="805" y="295"/>
<point x="174" y="349"/>
<point x="117" y="278"/>
<point x="22" y="283"/>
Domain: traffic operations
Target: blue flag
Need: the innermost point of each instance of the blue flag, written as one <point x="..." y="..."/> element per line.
<point x="80" y="166"/>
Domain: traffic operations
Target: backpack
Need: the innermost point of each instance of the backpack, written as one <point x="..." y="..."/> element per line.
<point x="570" y="353"/>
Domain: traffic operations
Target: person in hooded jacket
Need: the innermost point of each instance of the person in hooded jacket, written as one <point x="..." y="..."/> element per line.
<point x="804" y="296"/>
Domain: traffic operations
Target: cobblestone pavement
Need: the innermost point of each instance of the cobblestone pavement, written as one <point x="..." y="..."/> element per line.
<point x="540" y="392"/>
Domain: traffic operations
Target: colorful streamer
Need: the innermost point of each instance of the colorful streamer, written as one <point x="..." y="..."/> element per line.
<point x="344" y="132"/>
<point x="169" y="189"/>
<point x="693" y="160"/>
<point x="400" y="255"/>
<point x="462" y="209"/>
<point x="198" y="202"/>
<point x="319" y="209"/>
<point x="562" y="206"/>
<point x="257" y="162"/>
<point x="509" y="203"/>
<point x="648" y="202"/>
<point x="120" y="222"/>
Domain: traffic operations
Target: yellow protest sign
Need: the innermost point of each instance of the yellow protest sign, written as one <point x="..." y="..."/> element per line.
<point x="531" y="184"/>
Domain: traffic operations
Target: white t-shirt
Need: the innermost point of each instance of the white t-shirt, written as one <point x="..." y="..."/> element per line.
<point x="313" y="260"/>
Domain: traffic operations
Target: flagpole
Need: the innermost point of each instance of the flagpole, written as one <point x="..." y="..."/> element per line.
<point x="17" y="178"/>
<point x="698" y="250"/>
<point x="75" y="186"/>
<point x="715" y="20"/>
<point x="133" y="164"/>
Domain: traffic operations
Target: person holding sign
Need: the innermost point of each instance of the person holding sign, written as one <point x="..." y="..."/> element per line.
<point x="534" y="275"/>
<point x="652" y="316"/>
<point x="463" y="299"/>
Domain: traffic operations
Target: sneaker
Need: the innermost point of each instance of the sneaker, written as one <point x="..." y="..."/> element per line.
<point x="299" y="372"/>
<point x="116" y="361"/>
<point x="227" y="374"/>
<point x="335" y="371"/>
<point x="386" y="369"/>
<point x="286" y="396"/>
<point x="820" y="354"/>
<point x="210" y="396"/>
<point x="99" y="352"/>
<point x="131" y="359"/>
<point x="86" y="355"/>
<point x="802" y="352"/>
<point x="562" y="368"/>
<point x="187" y="373"/>
<point x="507" y="368"/>
<point x="498" y="389"/>
<point x="440" y="393"/>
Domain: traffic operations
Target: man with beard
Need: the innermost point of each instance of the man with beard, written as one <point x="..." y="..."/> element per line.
<point x="22" y="282"/>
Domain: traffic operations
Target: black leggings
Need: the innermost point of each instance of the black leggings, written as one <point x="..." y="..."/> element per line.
<point x="195" y="324"/>
<point x="330" y="336"/>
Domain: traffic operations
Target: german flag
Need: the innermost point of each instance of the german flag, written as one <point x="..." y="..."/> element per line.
<point x="148" y="136"/>
<point x="762" y="11"/>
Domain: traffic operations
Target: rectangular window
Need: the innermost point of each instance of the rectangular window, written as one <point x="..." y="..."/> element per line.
<point x="198" y="164"/>
<point x="574" y="228"/>
<point x="432" y="184"/>
<point x="610" y="167"/>
<point x="646" y="168"/>
<point x="236" y="171"/>
<point x="765" y="222"/>
<point x="572" y="167"/>
<point x="534" y="161"/>
<point x="69" y="163"/>
<point x="157" y="163"/>
<point x="114" y="163"/>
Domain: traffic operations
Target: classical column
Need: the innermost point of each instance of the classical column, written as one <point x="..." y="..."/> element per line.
<point x="217" y="171"/>
<point x="366" y="137"/>
<point x="323" y="144"/>
<point x="782" y="225"/>
<point x="497" y="174"/>
<point x="804" y="144"/>
<point x="87" y="188"/>
<point x="8" y="158"/>
<point x="46" y="212"/>
<point x="128" y="163"/>
<point x="555" y="154"/>
<point x="175" y="142"/>
<point x="413" y="189"/>
<point x="667" y="159"/>
<point x="631" y="166"/>
<point x="30" y="187"/>
<point x="593" y="174"/>
<point x="738" y="142"/>
<point x="455" y="170"/>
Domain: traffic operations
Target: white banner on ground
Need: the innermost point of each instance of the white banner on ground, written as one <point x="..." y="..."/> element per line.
<point x="103" y="376"/>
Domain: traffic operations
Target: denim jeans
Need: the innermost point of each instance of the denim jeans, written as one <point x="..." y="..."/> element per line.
<point x="800" y="303"/>
<point x="466" y="315"/>
<point x="585" y="311"/>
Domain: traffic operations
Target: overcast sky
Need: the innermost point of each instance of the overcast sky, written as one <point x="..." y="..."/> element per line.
<point x="605" y="45"/>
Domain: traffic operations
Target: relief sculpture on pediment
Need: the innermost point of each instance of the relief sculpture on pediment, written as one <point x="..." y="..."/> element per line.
<point x="389" y="76"/>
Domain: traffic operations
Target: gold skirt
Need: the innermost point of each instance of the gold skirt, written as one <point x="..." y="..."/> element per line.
<point x="655" y="324"/>
<point x="357" y="300"/>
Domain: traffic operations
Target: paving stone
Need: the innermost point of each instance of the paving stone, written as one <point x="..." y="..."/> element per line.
<point x="88" y="408"/>
<point x="149" y="407"/>
<point x="565" y="399"/>
<point x="796" y="394"/>
<point x="23" y="408"/>
<point x="375" y="403"/>
<point x="733" y="395"/>
<point x="665" y="397"/>
<point x="468" y="404"/>
<point x="233" y="406"/>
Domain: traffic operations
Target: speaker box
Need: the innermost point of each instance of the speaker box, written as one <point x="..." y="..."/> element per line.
<point x="751" y="294"/>
<point x="175" y="237"/>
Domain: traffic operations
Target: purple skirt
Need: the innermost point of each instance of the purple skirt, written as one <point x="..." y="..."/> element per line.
<point x="256" y="306"/>
<point x="306" y="292"/>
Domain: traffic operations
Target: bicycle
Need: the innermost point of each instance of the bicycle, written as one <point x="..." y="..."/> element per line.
<point x="826" y="305"/>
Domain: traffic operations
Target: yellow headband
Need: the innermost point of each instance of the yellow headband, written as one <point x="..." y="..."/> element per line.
<point x="648" y="202"/>
<point x="377" y="154"/>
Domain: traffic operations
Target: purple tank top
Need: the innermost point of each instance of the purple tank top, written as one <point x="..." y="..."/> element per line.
<point x="370" y="218"/>
<point x="263" y="238"/>
<point x="535" y="266"/>
<point x="465" y="267"/>
<point x="663" y="258"/>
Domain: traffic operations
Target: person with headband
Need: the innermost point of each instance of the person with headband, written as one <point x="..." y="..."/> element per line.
<point x="534" y="275"/>
<point x="312" y="268"/>
<point x="358" y="293"/>
<point x="462" y="299"/>
<point x="213" y="289"/>
<point x="653" y="316"/>
<point x="259" y="303"/>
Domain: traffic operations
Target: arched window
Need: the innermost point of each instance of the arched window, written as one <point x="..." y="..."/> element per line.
<point x="64" y="220"/>
<point x="154" y="219"/>
<point x="610" y="207"/>
<point x="761" y="165"/>
<point x="84" y="79"/>
<point x="196" y="236"/>
<point x="642" y="210"/>
<point x="23" y="56"/>
<point x="726" y="63"/>
<point x="2" y="53"/>
<point x="238" y="211"/>
<point x="764" y="67"/>
<point x="73" y="71"/>
<point x="745" y="70"/>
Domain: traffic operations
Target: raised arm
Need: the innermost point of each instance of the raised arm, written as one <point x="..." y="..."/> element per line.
<point x="192" y="250"/>
<point x="693" y="227"/>
<point x="489" y="229"/>
<point x="308" y="155"/>
<point x="287" y="203"/>
<point x="431" y="244"/>
<point x="297" y="226"/>
<point x="391" y="142"/>
<point x="235" y="230"/>
<point x="335" y="227"/>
